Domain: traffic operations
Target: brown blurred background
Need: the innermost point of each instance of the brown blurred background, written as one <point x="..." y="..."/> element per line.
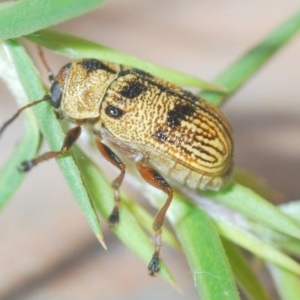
<point x="47" y="250"/>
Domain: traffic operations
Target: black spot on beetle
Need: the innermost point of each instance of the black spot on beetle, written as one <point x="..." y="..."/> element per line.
<point x="92" y="65"/>
<point x="190" y="96"/>
<point x="134" y="71"/>
<point x="133" y="89"/>
<point x="114" y="112"/>
<point x="65" y="69"/>
<point x="164" y="89"/>
<point x="124" y="72"/>
<point x="179" y="113"/>
<point x="142" y="73"/>
<point x="160" y="136"/>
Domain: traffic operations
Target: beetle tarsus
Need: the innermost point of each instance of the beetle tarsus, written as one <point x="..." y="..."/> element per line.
<point x="26" y="166"/>
<point x="154" y="265"/>
<point x="114" y="217"/>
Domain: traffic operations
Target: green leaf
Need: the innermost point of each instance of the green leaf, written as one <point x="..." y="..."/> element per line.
<point x="52" y="131"/>
<point x="291" y="245"/>
<point x="245" y="276"/>
<point x="286" y="283"/>
<point x="256" y="246"/>
<point x="292" y="209"/>
<point x="75" y="47"/>
<point x="26" y="16"/>
<point x="244" y="68"/>
<point x="10" y="177"/>
<point x="203" y="250"/>
<point x="255" y="183"/>
<point x="250" y="204"/>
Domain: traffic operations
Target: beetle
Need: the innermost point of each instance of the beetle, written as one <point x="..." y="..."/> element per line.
<point x="168" y="132"/>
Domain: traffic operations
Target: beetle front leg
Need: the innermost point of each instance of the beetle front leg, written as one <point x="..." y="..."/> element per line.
<point x="70" y="138"/>
<point x="110" y="156"/>
<point x="156" y="180"/>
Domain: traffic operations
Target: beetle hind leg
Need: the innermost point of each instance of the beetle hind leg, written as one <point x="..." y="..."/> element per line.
<point x="110" y="156"/>
<point x="156" y="180"/>
<point x="70" y="138"/>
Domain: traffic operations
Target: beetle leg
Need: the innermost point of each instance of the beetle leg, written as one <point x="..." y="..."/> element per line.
<point x="155" y="179"/>
<point x="110" y="156"/>
<point x="70" y="138"/>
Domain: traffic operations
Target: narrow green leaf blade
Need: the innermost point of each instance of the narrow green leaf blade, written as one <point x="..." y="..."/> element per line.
<point x="256" y="246"/>
<point x="238" y="73"/>
<point x="204" y="251"/>
<point x="10" y="177"/>
<point x="53" y="132"/>
<point x="26" y="16"/>
<point x="292" y="209"/>
<point x="250" y="204"/>
<point x="291" y="245"/>
<point x="75" y="47"/>
<point x="286" y="283"/>
<point x="245" y="276"/>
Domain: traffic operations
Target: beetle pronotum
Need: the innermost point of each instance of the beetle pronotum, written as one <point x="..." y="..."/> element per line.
<point x="166" y="130"/>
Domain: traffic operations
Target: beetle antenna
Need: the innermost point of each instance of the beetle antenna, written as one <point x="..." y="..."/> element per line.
<point x="9" y="121"/>
<point x="51" y="76"/>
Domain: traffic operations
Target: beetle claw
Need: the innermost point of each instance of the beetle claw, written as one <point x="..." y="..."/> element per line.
<point x="114" y="217"/>
<point x="154" y="265"/>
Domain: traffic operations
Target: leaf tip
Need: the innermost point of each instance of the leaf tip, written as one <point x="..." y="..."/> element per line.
<point x="102" y="242"/>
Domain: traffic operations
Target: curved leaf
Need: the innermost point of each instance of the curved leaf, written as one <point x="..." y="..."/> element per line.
<point x="10" y="177"/>
<point x="256" y="246"/>
<point x="52" y="131"/>
<point x="286" y="283"/>
<point x="75" y="47"/>
<point x="245" y="276"/>
<point x="203" y="250"/>
<point x="252" y="205"/>
<point x="26" y="16"/>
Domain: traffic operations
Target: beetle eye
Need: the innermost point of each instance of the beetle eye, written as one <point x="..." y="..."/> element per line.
<point x="56" y="93"/>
